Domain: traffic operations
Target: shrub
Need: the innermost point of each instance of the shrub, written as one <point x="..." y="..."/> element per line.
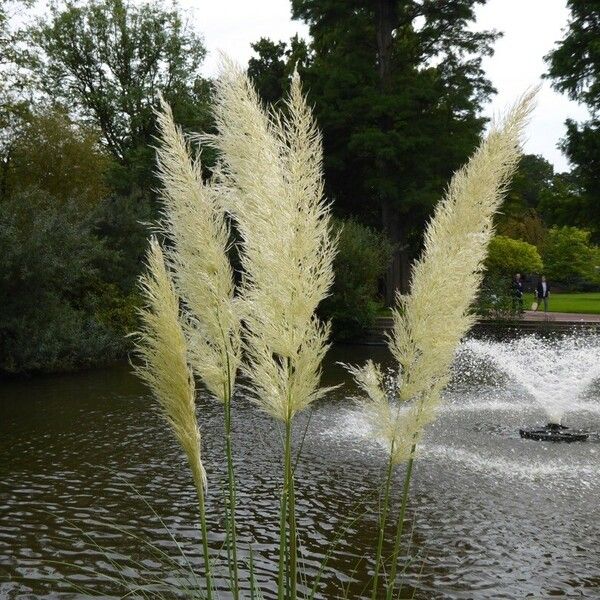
<point x="362" y="259"/>
<point x="570" y="259"/>
<point x="49" y="280"/>
<point x="507" y="257"/>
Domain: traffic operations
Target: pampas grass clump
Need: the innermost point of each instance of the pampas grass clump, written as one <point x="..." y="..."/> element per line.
<point x="268" y="181"/>
<point x="430" y="321"/>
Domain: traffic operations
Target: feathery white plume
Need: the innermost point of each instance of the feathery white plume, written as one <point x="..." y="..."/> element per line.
<point x="430" y="321"/>
<point x="161" y="346"/>
<point x="272" y="164"/>
<point x="194" y="222"/>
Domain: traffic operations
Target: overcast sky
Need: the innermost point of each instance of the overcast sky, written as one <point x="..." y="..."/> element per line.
<point x="531" y="27"/>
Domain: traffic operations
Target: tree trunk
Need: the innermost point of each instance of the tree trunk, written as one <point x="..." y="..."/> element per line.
<point x="398" y="271"/>
<point x="393" y="277"/>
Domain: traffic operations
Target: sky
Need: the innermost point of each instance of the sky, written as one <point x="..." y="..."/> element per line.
<point x="530" y="27"/>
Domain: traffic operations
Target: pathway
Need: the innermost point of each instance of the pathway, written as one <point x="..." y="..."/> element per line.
<point x="530" y="315"/>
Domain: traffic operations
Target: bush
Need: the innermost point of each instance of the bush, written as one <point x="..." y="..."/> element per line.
<point x="362" y="259"/>
<point x="570" y="259"/>
<point x="507" y="257"/>
<point x="496" y="299"/>
<point x="49" y="282"/>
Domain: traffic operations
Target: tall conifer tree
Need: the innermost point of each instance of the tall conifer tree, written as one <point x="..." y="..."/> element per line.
<point x="575" y="69"/>
<point x="397" y="87"/>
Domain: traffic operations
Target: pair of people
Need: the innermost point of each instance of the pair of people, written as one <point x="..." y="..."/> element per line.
<point x="541" y="293"/>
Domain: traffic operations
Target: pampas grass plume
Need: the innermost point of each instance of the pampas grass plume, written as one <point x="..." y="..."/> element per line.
<point x="194" y="222"/>
<point x="430" y="321"/>
<point x="272" y="164"/>
<point x="161" y="347"/>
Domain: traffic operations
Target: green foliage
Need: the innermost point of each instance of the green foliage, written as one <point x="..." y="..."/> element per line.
<point x="507" y="257"/>
<point x="397" y="118"/>
<point x="361" y="262"/>
<point x="273" y="66"/>
<point x="63" y="158"/>
<point x="574" y="66"/>
<point x="48" y="278"/>
<point x="496" y="299"/>
<point x="533" y="176"/>
<point x="520" y="217"/>
<point x="76" y="177"/>
<point x="110" y="59"/>
<point x="562" y="203"/>
<point x="528" y="227"/>
<point x="570" y="259"/>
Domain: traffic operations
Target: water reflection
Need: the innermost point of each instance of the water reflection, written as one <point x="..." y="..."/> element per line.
<point x="492" y="515"/>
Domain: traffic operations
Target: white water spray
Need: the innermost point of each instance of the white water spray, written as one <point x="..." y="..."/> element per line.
<point x="554" y="372"/>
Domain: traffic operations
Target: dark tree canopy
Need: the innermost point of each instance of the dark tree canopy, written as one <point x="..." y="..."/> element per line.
<point x="397" y="87"/>
<point x="574" y="67"/>
<point x="272" y="68"/>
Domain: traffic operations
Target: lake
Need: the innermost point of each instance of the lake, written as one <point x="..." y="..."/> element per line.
<point x="93" y="488"/>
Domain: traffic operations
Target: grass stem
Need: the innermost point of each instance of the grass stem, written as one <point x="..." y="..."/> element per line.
<point x="291" y="513"/>
<point x="204" y="532"/>
<point x="400" y="524"/>
<point x="282" y="541"/>
<point x="233" y="566"/>
<point x="382" y="522"/>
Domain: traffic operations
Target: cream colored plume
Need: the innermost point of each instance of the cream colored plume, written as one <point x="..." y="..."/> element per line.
<point x="161" y="346"/>
<point x="431" y="320"/>
<point x="194" y="222"/>
<point x="272" y="164"/>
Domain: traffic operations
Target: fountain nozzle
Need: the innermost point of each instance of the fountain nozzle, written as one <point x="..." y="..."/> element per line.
<point x="554" y="432"/>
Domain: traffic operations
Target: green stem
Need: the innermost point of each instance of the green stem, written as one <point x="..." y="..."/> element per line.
<point x="230" y="516"/>
<point x="382" y="522"/>
<point x="282" y="541"/>
<point x="204" y="531"/>
<point x="231" y="486"/>
<point x="293" y="546"/>
<point x="400" y="524"/>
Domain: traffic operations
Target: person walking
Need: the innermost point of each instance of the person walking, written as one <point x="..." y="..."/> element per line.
<point x="517" y="293"/>
<point x="542" y="292"/>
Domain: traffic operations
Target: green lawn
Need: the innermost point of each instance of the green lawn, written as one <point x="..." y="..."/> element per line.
<point x="576" y="302"/>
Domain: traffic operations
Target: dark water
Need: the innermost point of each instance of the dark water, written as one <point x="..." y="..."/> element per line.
<point x="91" y="484"/>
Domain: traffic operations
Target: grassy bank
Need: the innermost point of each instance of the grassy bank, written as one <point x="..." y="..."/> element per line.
<point x="575" y="302"/>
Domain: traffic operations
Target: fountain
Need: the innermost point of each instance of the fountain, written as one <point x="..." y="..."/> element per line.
<point x="555" y="372"/>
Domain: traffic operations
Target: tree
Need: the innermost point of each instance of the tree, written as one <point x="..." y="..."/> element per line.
<point x="360" y="264"/>
<point x="574" y="66"/>
<point x="532" y="179"/>
<point x="507" y="257"/>
<point x="109" y="60"/>
<point x="397" y="87"/>
<point x="51" y="287"/>
<point x="60" y="157"/>
<point x="14" y="91"/>
<point x="273" y="66"/>
<point x="563" y="203"/>
<point x="519" y="217"/>
<point x="527" y="227"/>
<point x="569" y="257"/>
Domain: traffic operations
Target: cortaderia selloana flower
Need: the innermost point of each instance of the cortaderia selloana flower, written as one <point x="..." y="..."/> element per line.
<point x="193" y="220"/>
<point x="430" y="321"/>
<point x="272" y="165"/>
